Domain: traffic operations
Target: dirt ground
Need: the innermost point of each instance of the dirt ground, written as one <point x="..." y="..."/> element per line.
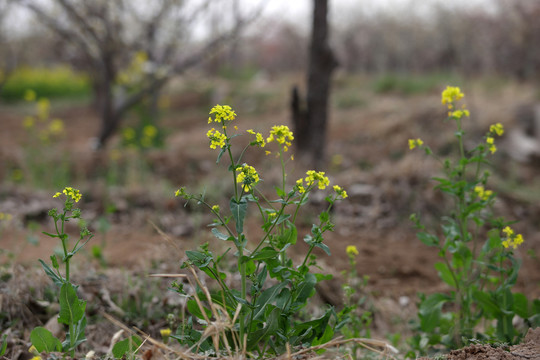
<point x="367" y="155"/>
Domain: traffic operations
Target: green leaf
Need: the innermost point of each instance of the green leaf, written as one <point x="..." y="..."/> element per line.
<point x="57" y="280"/>
<point x="267" y="252"/>
<point x="71" y="308"/>
<point x="258" y="336"/>
<point x="521" y="305"/>
<point x="267" y="297"/>
<point x="238" y="210"/>
<point x="44" y="340"/>
<point x="4" y="345"/>
<point x="219" y="234"/>
<point x="430" y="311"/>
<point x="195" y="310"/>
<point x="324" y="247"/>
<point x="445" y="274"/>
<point x="305" y="290"/>
<point x="221" y="152"/>
<point x="126" y="346"/>
<point x="428" y="239"/>
<point x="198" y="258"/>
<point x="487" y="303"/>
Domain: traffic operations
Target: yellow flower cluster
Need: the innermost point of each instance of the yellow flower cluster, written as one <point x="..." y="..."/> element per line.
<point x="497" y="129"/>
<point x="451" y="94"/>
<point x="491" y="146"/>
<point x="282" y="135"/>
<point x="215" y="208"/>
<point x="482" y="193"/>
<point x="339" y="190"/>
<point x="5" y="216"/>
<point x="180" y="192"/>
<point x="458" y="114"/>
<point x="300" y="186"/>
<point x="259" y="140"/>
<point x="248" y="176"/>
<point x="351" y="250"/>
<point x="414" y="143"/>
<point x="216" y="138"/>
<point x="512" y="240"/>
<point x="70" y="192"/>
<point x="313" y="176"/>
<point x="222" y="113"/>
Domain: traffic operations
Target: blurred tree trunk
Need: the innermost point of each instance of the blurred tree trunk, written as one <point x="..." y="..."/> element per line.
<point x="310" y="123"/>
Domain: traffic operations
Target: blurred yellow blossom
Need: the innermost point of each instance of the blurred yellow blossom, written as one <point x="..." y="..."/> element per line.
<point x="491" y="146"/>
<point x="29" y="95"/>
<point x="43" y="107"/>
<point x="28" y="122"/>
<point x="56" y="127"/>
<point x="482" y="193"/>
<point x="512" y="240"/>
<point x="497" y="129"/>
<point x="352" y="250"/>
<point x="150" y="131"/>
<point x="451" y="94"/>
<point x="414" y="143"/>
<point x="215" y="208"/>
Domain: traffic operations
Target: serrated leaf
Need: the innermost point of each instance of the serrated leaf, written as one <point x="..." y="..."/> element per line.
<point x="44" y="340"/>
<point x="238" y="210"/>
<point x="71" y="308"/>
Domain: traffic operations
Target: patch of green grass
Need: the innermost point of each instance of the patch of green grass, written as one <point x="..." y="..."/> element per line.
<point x="58" y="82"/>
<point x="412" y="84"/>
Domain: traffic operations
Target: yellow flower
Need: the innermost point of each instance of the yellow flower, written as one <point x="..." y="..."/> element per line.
<point x="165" y="332"/>
<point x="313" y="176"/>
<point x="259" y="140"/>
<point x="43" y="107"/>
<point x="74" y="194"/>
<point x="222" y="113"/>
<point x="150" y="131"/>
<point x="248" y="177"/>
<point x="29" y="95"/>
<point x="352" y="250"/>
<point x="215" y="208"/>
<point x="28" y="122"/>
<point x="57" y="195"/>
<point x="512" y="240"/>
<point x="482" y="193"/>
<point x="216" y="138"/>
<point x="458" y="114"/>
<point x="281" y="134"/>
<point x="340" y="191"/>
<point x="128" y="134"/>
<point x="180" y="192"/>
<point x="56" y="127"/>
<point x="300" y="186"/>
<point x="414" y="143"/>
<point x="497" y="129"/>
<point x="508" y="231"/>
<point x="491" y="146"/>
<point x="451" y="94"/>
